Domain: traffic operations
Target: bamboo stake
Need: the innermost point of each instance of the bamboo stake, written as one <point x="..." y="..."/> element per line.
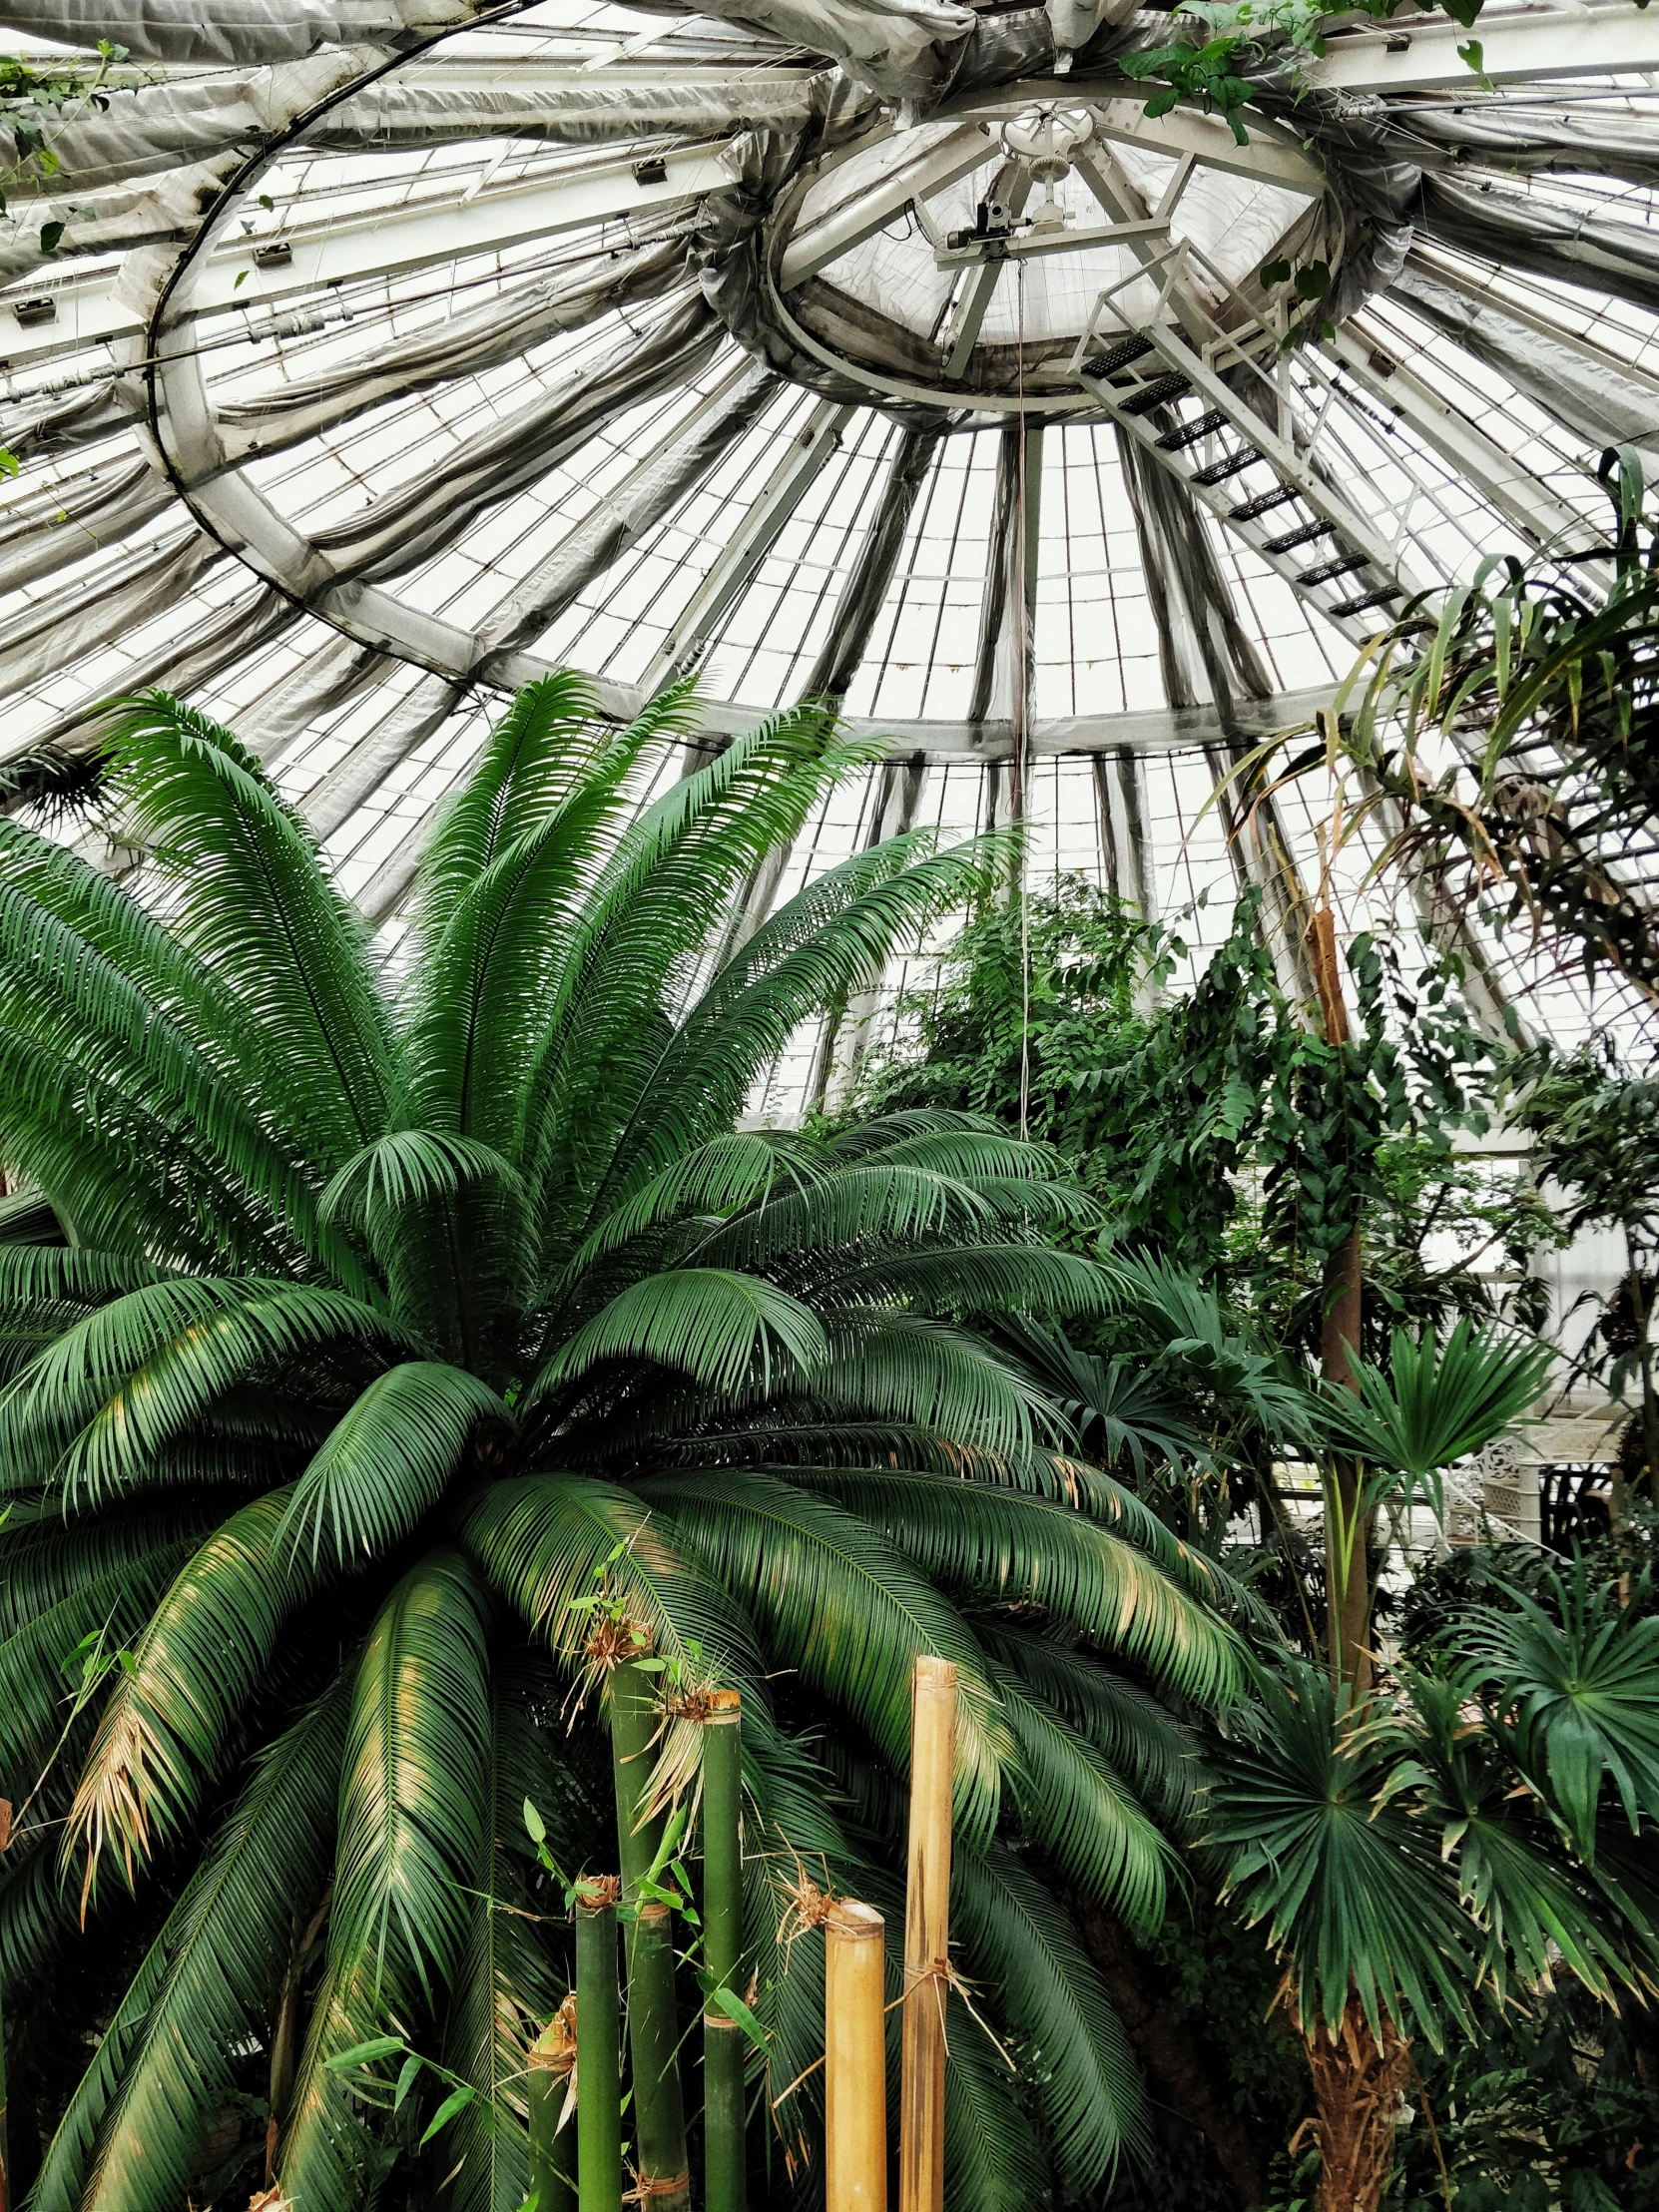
<point x="5" y="2138"/>
<point x="724" y="2160"/>
<point x="552" y="2060"/>
<point x="926" y="1938"/>
<point x="653" y="2026"/>
<point x="598" y="2051"/>
<point x="854" y="2059"/>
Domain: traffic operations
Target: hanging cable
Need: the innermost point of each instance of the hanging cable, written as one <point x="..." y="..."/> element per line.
<point x="1018" y="705"/>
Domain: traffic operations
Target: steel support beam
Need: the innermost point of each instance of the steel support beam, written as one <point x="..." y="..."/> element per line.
<point x="980" y="288"/>
<point x="747" y="548"/>
<point x="1519" y="46"/>
<point x="1544" y="519"/>
<point x="96" y="309"/>
<point x="818" y="243"/>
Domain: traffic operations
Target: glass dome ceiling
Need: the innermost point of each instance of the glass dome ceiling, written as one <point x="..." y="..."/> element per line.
<point x="394" y="353"/>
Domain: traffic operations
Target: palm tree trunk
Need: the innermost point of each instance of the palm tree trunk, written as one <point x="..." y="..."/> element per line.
<point x="1347" y="1565"/>
<point x="1358" y="2078"/>
<point x="652" y="2025"/>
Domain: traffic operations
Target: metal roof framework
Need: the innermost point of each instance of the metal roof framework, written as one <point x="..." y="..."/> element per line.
<point x="884" y="349"/>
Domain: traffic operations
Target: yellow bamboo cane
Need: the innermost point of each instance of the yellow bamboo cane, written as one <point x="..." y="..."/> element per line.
<point x="855" y="2060"/>
<point x="926" y="1938"/>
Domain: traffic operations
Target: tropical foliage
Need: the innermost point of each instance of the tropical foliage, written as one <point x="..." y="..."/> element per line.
<point x="370" y="1354"/>
<point x="1512" y="730"/>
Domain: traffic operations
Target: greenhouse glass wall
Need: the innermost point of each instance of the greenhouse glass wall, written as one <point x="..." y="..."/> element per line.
<point x="930" y="937"/>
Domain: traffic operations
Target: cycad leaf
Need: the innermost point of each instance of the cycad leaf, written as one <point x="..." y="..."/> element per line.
<point x="389" y="1458"/>
<point x="507" y="1984"/>
<point x="552" y="1543"/>
<point x="717" y="1327"/>
<point x="1072" y="2045"/>
<point x="1079" y="1809"/>
<point x="133" y="1374"/>
<point x="1138" y="1734"/>
<point x="255" y="904"/>
<point x="981" y="1279"/>
<point x="46" y="1659"/>
<point x="909" y="1368"/>
<point x="165" y="2063"/>
<point x="195" y="1666"/>
<point x="740" y="1168"/>
<point x="840" y="1605"/>
<point x="411" y="1828"/>
<point x="410" y="1167"/>
<point x="1000" y="1543"/>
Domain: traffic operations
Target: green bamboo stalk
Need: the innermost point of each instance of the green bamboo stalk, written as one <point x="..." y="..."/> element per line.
<point x="546" y="2087"/>
<point x="724" y="2160"/>
<point x="653" y="2026"/>
<point x="5" y="2138"/>
<point x="598" y="2051"/>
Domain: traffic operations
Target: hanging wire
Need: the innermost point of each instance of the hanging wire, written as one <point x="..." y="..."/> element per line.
<point x="1018" y="703"/>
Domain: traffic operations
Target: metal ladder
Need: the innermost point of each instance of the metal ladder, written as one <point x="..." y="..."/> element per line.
<point x="1221" y="411"/>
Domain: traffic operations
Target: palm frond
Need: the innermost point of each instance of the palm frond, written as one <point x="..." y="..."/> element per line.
<point x="1540" y="1912"/>
<point x="1437" y="1403"/>
<point x="1138" y="1734"/>
<point x="46" y="1662"/>
<point x="1324" y="1855"/>
<point x="1573" y="1687"/>
<point x="389" y="1458"/>
<point x="979" y="1279"/>
<point x="712" y="1324"/>
<point x="1077" y="1806"/>
<point x="197" y="1664"/>
<point x="833" y="937"/>
<point x="1072" y="2045"/>
<point x="131" y="2138"/>
<point x="509" y="1983"/>
<point x="552" y="1544"/>
<point x="254" y="901"/>
<point x="102" y="987"/>
<point x="842" y="1606"/>
<point x="133" y="1374"/>
<point x="1000" y="1543"/>
<point x="411" y="1831"/>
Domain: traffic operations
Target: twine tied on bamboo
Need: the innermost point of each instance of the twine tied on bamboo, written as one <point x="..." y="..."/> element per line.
<point x="943" y="1976"/>
<point x="647" y="2186"/>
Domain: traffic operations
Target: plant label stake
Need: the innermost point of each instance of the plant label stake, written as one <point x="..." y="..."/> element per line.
<point x="854" y="2059"/>
<point x="926" y="1938"/>
<point x="724" y="2037"/>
